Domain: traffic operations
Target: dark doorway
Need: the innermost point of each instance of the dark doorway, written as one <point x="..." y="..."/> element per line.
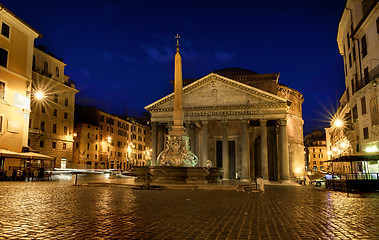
<point x="257" y="158"/>
<point x="219" y="153"/>
<point x="232" y="157"/>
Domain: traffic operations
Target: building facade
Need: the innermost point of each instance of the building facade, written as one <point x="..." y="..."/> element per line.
<point x="109" y="142"/>
<point x="239" y="120"/>
<point x="16" y="54"/>
<point x="358" y="42"/>
<point x="51" y="125"/>
<point x="316" y="152"/>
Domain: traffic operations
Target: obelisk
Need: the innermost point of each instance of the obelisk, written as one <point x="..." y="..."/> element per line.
<point x="177" y="128"/>
<point x="177" y="151"/>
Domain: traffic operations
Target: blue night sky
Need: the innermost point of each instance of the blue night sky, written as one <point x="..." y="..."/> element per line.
<point x="120" y="54"/>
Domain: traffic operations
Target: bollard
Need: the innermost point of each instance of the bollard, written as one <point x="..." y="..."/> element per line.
<point x="260" y="183"/>
<point x="75" y="179"/>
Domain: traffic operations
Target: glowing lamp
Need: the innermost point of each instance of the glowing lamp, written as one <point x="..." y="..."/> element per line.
<point x="372" y="149"/>
<point x="338" y="123"/>
<point x="39" y="95"/>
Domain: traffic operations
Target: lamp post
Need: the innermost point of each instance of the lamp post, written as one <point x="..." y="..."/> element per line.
<point x="109" y="141"/>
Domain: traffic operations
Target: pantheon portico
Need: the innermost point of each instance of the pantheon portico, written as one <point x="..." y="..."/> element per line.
<point x="239" y="120"/>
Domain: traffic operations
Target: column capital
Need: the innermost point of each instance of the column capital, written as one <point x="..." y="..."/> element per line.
<point x="244" y="123"/>
<point x="263" y="122"/>
<point x="282" y="122"/>
<point x="224" y="123"/>
<point x="205" y="122"/>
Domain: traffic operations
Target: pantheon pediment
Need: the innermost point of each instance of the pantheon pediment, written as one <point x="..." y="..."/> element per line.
<point x="220" y="96"/>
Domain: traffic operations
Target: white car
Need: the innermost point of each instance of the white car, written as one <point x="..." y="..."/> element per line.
<point x="321" y="181"/>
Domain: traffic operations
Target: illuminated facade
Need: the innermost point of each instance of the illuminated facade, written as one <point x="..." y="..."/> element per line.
<point x="16" y="54"/>
<point x="239" y="120"/>
<point x="108" y="142"/>
<point x="358" y="42"/>
<point x="52" y="117"/>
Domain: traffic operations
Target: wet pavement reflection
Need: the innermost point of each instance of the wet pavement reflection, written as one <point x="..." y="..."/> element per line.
<point x="57" y="210"/>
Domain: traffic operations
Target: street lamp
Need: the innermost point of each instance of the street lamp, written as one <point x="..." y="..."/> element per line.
<point x="338" y="122"/>
<point x="39" y="95"/>
<point x="109" y="141"/>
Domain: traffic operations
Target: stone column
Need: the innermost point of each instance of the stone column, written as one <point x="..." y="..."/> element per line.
<point x="161" y="139"/>
<point x="188" y="128"/>
<point x="245" y="150"/>
<point x="169" y="126"/>
<point x="193" y="138"/>
<point x="264" y="154"/>
<point x="283" y="149"/>
<point x="154" y="153"/>
<point x="225" y="149"/>
<point x="204" y="156"/>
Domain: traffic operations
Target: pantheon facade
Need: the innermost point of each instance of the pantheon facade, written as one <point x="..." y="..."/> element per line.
<point x="244" y="122"/>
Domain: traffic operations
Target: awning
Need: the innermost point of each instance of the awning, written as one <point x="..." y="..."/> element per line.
<point x="36" y="156"/>
<point x="10" y="154"/>
<point x="356" y="158"/>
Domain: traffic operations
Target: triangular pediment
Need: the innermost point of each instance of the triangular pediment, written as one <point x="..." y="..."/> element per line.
<point x="217" y="92"/>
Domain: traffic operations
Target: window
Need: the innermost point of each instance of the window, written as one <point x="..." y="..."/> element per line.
<point x="56" y="98"/>
<point x="321" y="162"/>
<point x="88" y="135"/>
<point x="34" y="63"/>
<point x="355" y="113"/>
<point x="87" y="145"/>
<point x="66" y="101"/>
<point x="45" y="68"/>
<point x="314" y="156"/>
<point x="315" y="168"/>
<point x="57" y="71"/>
<point x="87" y="155"/>
<point x="43" y="110"/>
<point x="363" y="105"/>
<point x="64" y="146"/>
<point x="2" y="91"/>
<point x="41" y="143"/>
<point x="353" y="50"/>
<point x="65" y="115"/>
<point x="353" y="86"/>
<point x="101" y="118"/>
<point x="65" y="130"/>
<point x="314" y="162"/>
<point x="55" y="112"/>
<point x="3" y="57"/>
<point x="42" y="126"/>
<point x="314" y="149"/>
<point x="364" y="46"/>
<point x="96" y="136"/>
<point x="5" y="29"/>
<point x="95" y="146"/>
<point x="348" y="40"/>
<point x="377" y="25"/>
<point x="54" y="145"/>
<point x="367" y="76"/>
<point x="1" y="124"/>
<point x="365" y="133"/>
<point x="77" y="145"/>
<point x="54" y="128"/>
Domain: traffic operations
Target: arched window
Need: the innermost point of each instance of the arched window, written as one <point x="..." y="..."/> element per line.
<point x="34" y="63"/>
<point x="45" y="68"/>
<point x="57" y="71"/>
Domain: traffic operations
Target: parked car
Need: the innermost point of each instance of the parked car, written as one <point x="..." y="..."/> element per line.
<point x="321" y="181"/>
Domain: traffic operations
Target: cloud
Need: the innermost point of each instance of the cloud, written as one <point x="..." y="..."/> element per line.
<point x="127" y="59"/>
<point x="85" y="73"/>
<point x="160" y="55"/>
<point x="107" y="56"/>
<point x="223" y="56"/>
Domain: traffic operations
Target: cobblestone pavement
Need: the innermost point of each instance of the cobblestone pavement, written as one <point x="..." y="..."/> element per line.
<point x="58" y="210"/>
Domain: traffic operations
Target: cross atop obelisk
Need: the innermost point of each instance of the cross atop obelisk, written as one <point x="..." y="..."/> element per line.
<point x="177" y="40"/>
<point x="177" y="128"/>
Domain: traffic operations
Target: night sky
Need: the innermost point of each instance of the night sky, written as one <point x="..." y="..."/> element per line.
<point x="120" y="54"/>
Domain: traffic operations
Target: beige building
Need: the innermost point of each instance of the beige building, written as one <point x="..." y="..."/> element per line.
<point x="317" y="155"/>
<point x="245" y="122"/>
<point x="358" y="42"/>
<point x="16" y="55"/>
<point x="51" y="124"/>
<point x="109" y="142"/>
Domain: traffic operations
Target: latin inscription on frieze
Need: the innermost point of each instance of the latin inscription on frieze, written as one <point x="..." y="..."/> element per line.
<point x="221" y="113"/>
